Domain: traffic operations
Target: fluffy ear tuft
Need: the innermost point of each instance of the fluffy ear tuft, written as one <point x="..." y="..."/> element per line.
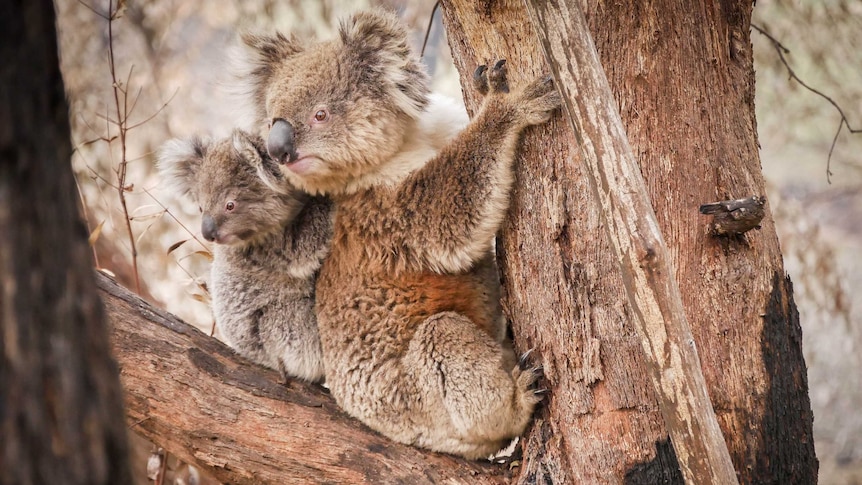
<point x="254" y="63"/>
<point x="270" y="49"/>
<point x="379" y="42"/>
<point x="375" y="30"/>
<point x="178" y="162"/>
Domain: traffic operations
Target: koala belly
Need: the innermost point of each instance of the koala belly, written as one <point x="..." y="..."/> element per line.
<point x="367" y="327"/>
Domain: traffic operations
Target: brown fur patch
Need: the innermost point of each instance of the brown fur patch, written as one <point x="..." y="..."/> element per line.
<point x="433" y="293"/>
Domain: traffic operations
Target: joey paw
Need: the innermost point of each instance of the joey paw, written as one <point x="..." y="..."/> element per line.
<point x="497" y="77"/>
<point x="525" y="381"/>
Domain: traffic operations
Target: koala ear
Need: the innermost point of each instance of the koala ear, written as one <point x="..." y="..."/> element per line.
<point x="179" y="161"/>
<point x="375" y="30"/>
<point x="380" y="44"/>
<point x="255" y="62"/>
<point x="270" y="49"/>
<point x="252" y="151"/>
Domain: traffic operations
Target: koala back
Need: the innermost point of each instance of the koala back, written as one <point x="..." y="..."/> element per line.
<point x="263" y="294"/>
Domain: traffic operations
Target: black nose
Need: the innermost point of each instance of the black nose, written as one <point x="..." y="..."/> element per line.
<point x="279" y="144"/>
<point x="209" y="228"/>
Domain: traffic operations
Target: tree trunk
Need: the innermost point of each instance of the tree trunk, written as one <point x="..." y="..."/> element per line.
<point x="626" y="211"/>
<point x="60" y="399"/>
<point x="682" y="77"/>
<point x="196" y="398"/>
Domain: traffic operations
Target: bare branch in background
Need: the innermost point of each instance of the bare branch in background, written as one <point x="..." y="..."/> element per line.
<point x="782" y="50"/>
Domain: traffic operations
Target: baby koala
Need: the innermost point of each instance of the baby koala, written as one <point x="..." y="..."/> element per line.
<point x="270" y="240"/>
<point x="411" y="341"/>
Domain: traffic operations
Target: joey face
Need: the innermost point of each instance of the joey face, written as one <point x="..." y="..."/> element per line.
<point x="337" y="110"/>
<point x="236" y="206"/>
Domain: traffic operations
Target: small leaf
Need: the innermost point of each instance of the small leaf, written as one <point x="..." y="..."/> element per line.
<point x="108" y="272"/>
<point x="129" y="188"/>
<point x="176" y="245"/>
<point x="205" y="254"/>
<point x="201" y="298"/>
<point x="94" y="236"/>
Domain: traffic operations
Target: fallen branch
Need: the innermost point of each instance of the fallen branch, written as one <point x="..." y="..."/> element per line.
<point x="193" y="396"/>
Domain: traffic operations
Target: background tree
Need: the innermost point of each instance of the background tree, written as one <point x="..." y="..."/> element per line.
<point x="60" y="399"/>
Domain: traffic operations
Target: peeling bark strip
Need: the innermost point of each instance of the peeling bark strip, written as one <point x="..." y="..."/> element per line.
<point x="192" y="395"/>
<point x="647" y="270"/>
<point x="682" y="77"/>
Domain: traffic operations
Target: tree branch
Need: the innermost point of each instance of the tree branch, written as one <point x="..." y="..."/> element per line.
<point x="196" y="398"/>
<point x="781" y="50"/>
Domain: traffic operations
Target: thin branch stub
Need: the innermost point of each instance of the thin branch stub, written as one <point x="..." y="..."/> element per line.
<point x="734" y="217"/>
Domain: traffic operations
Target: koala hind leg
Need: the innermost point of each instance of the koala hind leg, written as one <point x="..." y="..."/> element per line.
<point x="486" y="401"/>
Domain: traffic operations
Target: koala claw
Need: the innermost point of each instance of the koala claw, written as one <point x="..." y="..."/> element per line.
<point x="497" y="77"/>
<point x="522" y="362"/>
<point x="480" y="80"/>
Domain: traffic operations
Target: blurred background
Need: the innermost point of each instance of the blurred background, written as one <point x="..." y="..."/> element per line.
<point x="171" y="79"/>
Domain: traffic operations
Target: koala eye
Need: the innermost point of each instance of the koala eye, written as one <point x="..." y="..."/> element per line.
<point x="230" y="206"/>
<point x="321" y="116"/>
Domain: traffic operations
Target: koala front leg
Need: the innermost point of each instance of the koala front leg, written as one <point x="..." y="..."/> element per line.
<point x="486" y="401"/>
<point x="456" y="202"/>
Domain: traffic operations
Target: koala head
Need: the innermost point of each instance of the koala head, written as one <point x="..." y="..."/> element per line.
<point x="239" y="190"/>
<point x="334" y="111"/>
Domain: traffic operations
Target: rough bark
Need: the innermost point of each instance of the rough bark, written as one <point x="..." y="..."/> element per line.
<point x="626" y="212"/>
<point x="682" y="79"/>
<point x="60" y="398"/>
<point x="193" y="396"/>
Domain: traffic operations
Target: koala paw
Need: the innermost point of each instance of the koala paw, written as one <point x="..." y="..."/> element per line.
<point x="493" y="79"/>
<point x="526" y="379"/>
<point x="538" y="100"/>
<point x="533" y="104"/>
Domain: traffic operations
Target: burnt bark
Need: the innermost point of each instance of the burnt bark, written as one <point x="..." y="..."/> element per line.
<point x="195" y="397"/>
<point x="682" y="79"/>
<point x="60" y="398"/>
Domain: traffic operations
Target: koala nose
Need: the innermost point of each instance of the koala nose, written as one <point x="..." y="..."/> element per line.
<point x="279" y="144"/>
<point x="209" y="228"/>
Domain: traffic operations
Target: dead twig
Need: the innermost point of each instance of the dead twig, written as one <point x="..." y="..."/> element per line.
<point x="844" y="122"/>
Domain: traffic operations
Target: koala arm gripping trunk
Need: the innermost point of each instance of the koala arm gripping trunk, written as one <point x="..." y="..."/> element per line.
<point x="455" y="204"/>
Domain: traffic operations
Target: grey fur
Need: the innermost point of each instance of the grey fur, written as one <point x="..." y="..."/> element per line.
<point x="268" y="248"/>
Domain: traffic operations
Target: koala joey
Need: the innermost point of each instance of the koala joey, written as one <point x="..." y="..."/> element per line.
<point x="411" y="343"/>
<point x="269" y="241"/>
